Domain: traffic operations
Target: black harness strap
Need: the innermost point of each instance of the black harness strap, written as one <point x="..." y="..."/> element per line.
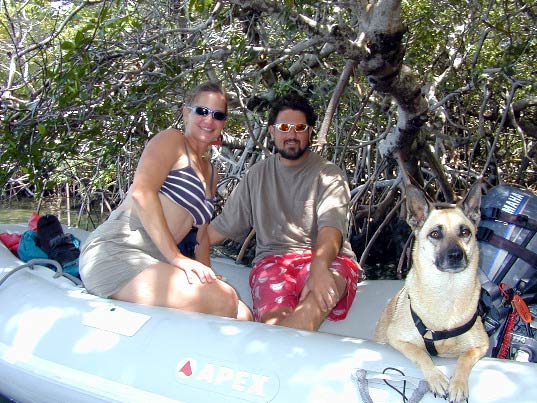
<point x="520" y="220"/>
<point x="488" y="235"/>
<point x="440" y="334"/>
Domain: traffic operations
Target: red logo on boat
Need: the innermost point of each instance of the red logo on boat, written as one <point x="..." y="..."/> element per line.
<point x="228" y="378"/>
<point x="186" y="368"/>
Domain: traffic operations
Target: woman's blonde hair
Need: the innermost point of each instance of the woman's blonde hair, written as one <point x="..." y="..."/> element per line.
<point x="208" y="86"/>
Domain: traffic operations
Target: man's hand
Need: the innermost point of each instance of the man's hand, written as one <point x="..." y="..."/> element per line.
<point x="322" y="285"/>
<point x="321" y="282"/>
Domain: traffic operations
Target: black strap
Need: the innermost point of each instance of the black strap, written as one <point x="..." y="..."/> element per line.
<point x="429" y="343"/>
<point x="488" y="235"/>
<point x="520" y="220"/>
<point x="440" y="334"/>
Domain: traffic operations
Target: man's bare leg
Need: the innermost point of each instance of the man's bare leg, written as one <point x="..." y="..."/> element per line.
<point x="307" y="315"/>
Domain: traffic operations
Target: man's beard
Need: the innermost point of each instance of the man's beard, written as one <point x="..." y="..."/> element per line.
<point x="292" y="155"/>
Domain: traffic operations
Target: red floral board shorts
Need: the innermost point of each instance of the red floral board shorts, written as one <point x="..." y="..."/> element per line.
<point x="277" y="280"/>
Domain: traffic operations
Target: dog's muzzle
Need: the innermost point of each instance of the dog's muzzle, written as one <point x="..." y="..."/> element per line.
<point x="453" y="260"/>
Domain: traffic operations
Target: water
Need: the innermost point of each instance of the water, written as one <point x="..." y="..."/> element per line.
<point x="20" y="212"/>
<point x="14" y="216"/>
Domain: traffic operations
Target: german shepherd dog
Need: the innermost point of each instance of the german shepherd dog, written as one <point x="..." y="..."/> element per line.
<point x="436" y="310"/>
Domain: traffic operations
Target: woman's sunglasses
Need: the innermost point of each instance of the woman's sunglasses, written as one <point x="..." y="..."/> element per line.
<point x="204" y="111"/>
<point x="286" y="127"/>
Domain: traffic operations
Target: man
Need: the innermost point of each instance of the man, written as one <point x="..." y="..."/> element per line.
<point x="297" y="202"/>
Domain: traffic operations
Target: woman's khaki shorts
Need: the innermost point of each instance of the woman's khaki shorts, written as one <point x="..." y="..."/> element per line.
<point x="116" y="252"/>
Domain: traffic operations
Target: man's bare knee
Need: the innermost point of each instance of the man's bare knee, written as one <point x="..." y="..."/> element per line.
<point x="275" y="316"/>
<point x="307" y="315"/>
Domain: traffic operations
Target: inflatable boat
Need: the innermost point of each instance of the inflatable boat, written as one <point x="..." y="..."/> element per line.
<point x="60" y="344"/>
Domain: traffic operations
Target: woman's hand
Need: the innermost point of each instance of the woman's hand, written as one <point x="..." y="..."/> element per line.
<point x="193" y="268"/>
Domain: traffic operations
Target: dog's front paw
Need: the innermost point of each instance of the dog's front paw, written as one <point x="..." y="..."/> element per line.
<point x="458" y="390"/>
<point x="438" y="382"/>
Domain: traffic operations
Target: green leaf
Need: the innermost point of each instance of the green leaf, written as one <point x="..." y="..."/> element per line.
<point x="67" y="45"/>
<point x="79" y="38"/>
<point x="41" y="129"/>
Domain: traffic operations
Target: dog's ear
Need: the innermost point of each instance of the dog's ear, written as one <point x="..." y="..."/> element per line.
<point x="417" y="207"/>
<point x="472" y="202"/>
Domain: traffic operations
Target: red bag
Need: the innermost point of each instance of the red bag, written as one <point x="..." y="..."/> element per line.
<point x="11" y="241"/>
<point x="32" y="223"/>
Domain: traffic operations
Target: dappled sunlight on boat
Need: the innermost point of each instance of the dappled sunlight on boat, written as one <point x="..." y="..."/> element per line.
<point x="255" y="346"/>
<point x="310" y="370"/>
<point x="96" y="340"/>
<point x="327" y="378"/>
<point x="324" y="394"/>
<point x="352" y="340"/>
<point x="30" y="328"/>
<point x="483" y="381"/>
<point x="230" y="330"/>
<point x="81" y="293"/>
<point x="298" y="351"/>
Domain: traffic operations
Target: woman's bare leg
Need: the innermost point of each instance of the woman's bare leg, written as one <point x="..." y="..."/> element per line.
<point x="164" y="285"/>
<point x="244" y="312"/>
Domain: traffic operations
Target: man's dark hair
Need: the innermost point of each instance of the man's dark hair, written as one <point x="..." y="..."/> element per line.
<point x="295" y="102"/>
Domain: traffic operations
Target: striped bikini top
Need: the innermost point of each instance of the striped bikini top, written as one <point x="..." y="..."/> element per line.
<point x="184" y="187"/>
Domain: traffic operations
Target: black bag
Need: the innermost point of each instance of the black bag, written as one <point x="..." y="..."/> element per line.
<point x="508" y="272"/>
<point x="56" y="244"/>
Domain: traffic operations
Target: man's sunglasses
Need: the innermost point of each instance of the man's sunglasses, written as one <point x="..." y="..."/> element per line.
<point x="286" y="127"/>
<point x="204" y="111"/>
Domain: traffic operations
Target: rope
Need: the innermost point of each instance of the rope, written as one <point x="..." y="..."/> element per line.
<point x="419" y="392"/>
<point x="31" y="263"/>
<point x="362" y="384"/>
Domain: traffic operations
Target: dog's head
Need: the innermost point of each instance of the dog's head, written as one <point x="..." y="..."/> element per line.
<point x="445" y="234"/>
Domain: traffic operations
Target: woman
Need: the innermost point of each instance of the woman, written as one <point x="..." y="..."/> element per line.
<point x="133" y="256"/>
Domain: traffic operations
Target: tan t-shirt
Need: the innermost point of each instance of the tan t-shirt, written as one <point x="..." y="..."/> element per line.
<point x="287" y="206"/>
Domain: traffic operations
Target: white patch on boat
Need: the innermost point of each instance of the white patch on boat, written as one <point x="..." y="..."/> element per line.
<point x="115" y="319"/>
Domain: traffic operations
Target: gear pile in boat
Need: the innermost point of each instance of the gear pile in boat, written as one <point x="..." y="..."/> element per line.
<point x="49" y="241"/>
<point x="508" y="272"/>
<point x="57" y="245"/>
